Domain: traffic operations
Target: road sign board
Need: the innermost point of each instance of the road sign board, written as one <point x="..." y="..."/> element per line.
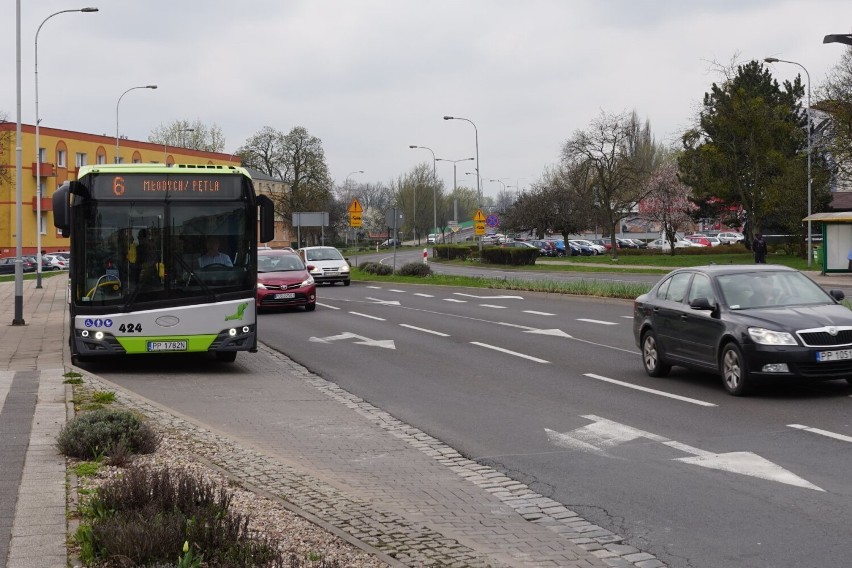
<point x="355" y="207"/>
<point x="354" y="219"/>
<point x="492" y="220"/>
<point x="479" y="228"/>
<point x="479" y="215"/>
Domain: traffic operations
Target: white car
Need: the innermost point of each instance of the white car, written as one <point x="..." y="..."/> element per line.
<point x="326" y="264"/>
<point x="599" y="249"/>
<point x="663" y="244"/>
<point x="55" y="262"/>
<point x="731" y="238"/>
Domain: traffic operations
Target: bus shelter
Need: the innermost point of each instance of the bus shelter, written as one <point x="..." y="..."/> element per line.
<point x="836" y="240"/>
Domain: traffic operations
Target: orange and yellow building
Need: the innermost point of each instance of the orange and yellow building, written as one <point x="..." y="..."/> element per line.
<point x="63" y="152"/>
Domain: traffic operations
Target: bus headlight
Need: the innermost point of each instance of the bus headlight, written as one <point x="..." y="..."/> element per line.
<point x="99" y="335"/>
<point x="232" y="332"/>
<point x="246" y="329"/>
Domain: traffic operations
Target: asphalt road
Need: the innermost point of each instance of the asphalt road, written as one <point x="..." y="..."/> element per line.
<point x="551" y="391"/>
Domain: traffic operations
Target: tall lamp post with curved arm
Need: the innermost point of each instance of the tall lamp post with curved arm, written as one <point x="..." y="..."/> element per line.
<point x="478" y="181"/>
<point x="810" y="237"/>
<point x="37" y="143"/>
<point x="116" y="114"/>
<point x="455" y="201"/>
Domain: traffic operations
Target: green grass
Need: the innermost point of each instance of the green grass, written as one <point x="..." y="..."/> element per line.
<point x="626" y="263"/>
<point x="33" y="275"/>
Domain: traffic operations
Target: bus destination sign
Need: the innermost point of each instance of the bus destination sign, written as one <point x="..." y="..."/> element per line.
<point x="154" y="186"/>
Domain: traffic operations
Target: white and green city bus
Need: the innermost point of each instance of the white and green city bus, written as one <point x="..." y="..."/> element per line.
<point x="137" y="234"/>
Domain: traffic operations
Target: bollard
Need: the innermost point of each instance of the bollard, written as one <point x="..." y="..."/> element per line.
<point x="425" y="257"/>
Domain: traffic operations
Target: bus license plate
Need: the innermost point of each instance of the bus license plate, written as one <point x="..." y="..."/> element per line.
<point x="167" y="345"/>
<point x="840" y="355"/>
<point x="285" y="296"/>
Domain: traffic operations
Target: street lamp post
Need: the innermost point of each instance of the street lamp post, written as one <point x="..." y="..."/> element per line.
<point x="810" y="237"/>
<point x="478" y="181"/>
<point x="37" y="144"/>
<point x="455" y="201"/>
<point x="838" y="38"/>
<point x="434" y="189"/>
<point x="116" y="115"/>
<point x="348" y="195"/>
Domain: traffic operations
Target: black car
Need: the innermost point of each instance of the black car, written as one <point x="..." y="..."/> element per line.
<point x="747" y="323"/>
<point x="7" y="265"/>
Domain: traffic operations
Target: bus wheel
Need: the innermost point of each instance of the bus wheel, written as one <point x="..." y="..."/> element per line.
<point x="226" y="356"/>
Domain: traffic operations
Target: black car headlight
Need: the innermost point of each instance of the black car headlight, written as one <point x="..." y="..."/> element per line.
<point x="770" y="337"/>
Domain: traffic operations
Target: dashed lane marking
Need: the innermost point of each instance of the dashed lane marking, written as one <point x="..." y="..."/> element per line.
<point x="508" y="352"/>
<point x="535" y="313"/>
<point x="826" y="433"/>
<point x="601" y="322"/>
<point x="646" y="389"/>
<point x="424" y="330"/>
<point x="328" y="306"/>
<point x="367" y="316"/>
<point x="493" y="306"/>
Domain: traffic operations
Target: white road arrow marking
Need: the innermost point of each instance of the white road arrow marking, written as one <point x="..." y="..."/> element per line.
<point x="602" y="435"/>
<point x="384" y="302"/>
<point x="386" y="343"/>
<point x="554" y="332"/>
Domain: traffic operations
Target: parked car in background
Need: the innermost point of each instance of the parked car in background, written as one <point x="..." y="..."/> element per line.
<point x="731" y="238"/>
<point x="390" y="243"/>
<point x="283" y="281"/>
<point x="705" y="240"/>
<point x="626" y="243"/>
<point x="638" y="242"/>
<point x="55" y="262"/>
<point x="596" y="248"/>
<point x="7" y="265"/>
<point x="663" y="244"/>
<point x="747" y="323"/>
<point x="326" y="264"/>
<point x="432" y="239"/>
<point x="519" y="244"/>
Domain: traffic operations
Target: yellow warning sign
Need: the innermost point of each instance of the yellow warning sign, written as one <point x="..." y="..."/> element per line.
<point x="479" y="216"/>
<point x="354" y="219"/>
<point x="355" y="207"/>
<point x="479" y="228"/>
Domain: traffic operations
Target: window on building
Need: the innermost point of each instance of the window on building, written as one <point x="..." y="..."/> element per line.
<point x="137" y="160"/>
<point x="60" y="159"/>
<point x="102" y="158"/>
<point x="43" y="224"/>
<point x="42" y="155"/>
<point x="82" y="159"/>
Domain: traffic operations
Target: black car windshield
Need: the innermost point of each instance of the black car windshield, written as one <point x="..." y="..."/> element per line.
<point x="324" y="254"/>
<point x="770" y="289"/>
<point x="279" y="263"/>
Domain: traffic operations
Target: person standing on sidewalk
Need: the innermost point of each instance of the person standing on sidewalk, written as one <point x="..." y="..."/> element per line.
<point x="758" y="247"/>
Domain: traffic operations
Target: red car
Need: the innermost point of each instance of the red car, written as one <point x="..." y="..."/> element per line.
<point x="283" y="281"/>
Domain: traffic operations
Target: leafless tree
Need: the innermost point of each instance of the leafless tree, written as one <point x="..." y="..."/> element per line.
<point x="620" y="154"/>
<point x="189" y="134"/>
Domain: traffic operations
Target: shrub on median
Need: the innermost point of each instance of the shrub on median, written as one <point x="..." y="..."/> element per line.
<point x="106" y="433"/>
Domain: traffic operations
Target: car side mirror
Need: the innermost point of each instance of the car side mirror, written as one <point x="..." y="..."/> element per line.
<point x="310" y="267"/>
<point x="837" y="295"/>
<point x="701" y="304"/>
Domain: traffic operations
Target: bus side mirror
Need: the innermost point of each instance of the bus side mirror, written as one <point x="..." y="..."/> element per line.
<point x="267" y="218"/>
<point x="62" y="209"/>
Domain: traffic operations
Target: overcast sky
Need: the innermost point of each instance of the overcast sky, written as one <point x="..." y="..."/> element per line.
<point x="371" y="77"/>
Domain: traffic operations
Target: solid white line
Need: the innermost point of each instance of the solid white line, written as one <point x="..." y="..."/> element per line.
<point x="425" y="330"/>
<point x="825" y="433"/>
<point x="652" y="391"/>
<point x="493" y="306"/>
<point x="454" y="300"/>
<point x="328" y="306"/>
<point x="597" y="321"/>
<point x="515" y="353"/>
<point x="366" y="316"/>
<point x="535" y="313"/>
<point x="423" y="295"/>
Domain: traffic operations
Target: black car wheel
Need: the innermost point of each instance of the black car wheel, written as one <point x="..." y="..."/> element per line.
<point x="310" y="307"/>
<point x="734" y="372"/>
<point x="651" y="358"/>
